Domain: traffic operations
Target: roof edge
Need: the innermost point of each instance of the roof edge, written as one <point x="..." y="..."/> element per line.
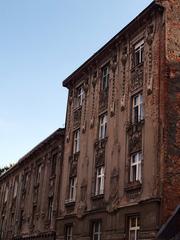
<point x="59" y="131"/>
<point x="148" y="8"/>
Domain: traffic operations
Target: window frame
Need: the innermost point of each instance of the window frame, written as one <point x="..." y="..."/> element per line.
<point x="6" y="193"/>
<point x="136" y="163"/>
<point x="38" y="173"/>
<point x="139" y="53"/>
<point x="96" y="235"/>
<point x="72" y="189"/>
<point x="76" y="141"/>
<point x="69" y="232"/>
<point x="135" y="228"/>
<point x="50" y="208"/>
<point x="105" y="77"/>
<point x="54" y="164"/>
<point x="137" y="108"/>
<point x="79" y="97"/>
<point x="100" y="178"/>
<point x="15" y="190"/>
<point x="103" y="126"/>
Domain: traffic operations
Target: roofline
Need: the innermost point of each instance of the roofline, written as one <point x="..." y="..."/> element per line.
<point x="59" y="131"/>
<point x="148" y="8"/>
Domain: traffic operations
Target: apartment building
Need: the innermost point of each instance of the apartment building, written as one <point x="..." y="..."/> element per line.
<point x="121" y="154"/>
<point x="114" y="172"/>
<point x="29" y="192"/>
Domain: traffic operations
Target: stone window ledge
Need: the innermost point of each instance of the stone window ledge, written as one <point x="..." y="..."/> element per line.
<point x="133" y="186"/>
<point x="97" y="197"/>
<point x="69" y="203"/>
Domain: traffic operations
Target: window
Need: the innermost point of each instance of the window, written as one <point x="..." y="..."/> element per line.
<point x="79" y="97"/>
<point x="138" y="53"/>
<point x="102" y="126"/>
<point x="105" y="78"/>
<point x="6" y="194"/>
<point x="12" y="219"/>
<point x="135" y="167"/>
<point x="15" y="188"/>
<point x="38" y="173"/>
<point x="21" y="219"/>
<point x="68" y="232"/>
<point x="76" y="147"/>
<point x="72" y="189"/>
<point x="99" y="181"/>
<point x="53" y="164"/>
<point x="96" y="230"/>
<point x="25" y="181"/>
<point x="137" y="108"/>
<point x="34" y="211"/>
<point x="50" y="208"/>
<point x="134" y="227"/>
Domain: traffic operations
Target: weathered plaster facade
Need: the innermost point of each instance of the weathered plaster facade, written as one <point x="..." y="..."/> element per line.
<point x="155" y="137"/>
<point x="118" y="177"/>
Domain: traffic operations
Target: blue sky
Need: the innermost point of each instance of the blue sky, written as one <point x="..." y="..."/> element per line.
<point x="41" y="43"/>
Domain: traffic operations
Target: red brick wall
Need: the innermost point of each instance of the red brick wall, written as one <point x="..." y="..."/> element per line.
<point x="171" y="119"/>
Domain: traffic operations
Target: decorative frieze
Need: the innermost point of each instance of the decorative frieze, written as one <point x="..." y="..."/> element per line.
<point x="113" y="69"/>
<point x="94" y="81"/>
<point x="137" y="77"/>
<point x="77" y="118"/>
<point x="73" y="161"/>
<point x="149" y="40"/>
<point x="123" y="61"/>
<point x="85" y="87"/>
<point x="103" y="100"/>
<point x="100" y="147"/>
<point x="134" y="136"/>
<point x="113" y="202"/>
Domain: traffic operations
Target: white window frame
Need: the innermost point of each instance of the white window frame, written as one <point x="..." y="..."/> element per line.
<point x="138" y="53"/>
<point x="105" y="77"/>
<point x="6" y="194"/>
<point x="39" y="171"/>
<point x="102" y="126"/>
<point x="50" y="209"/>
<point x="137" y="108"/>
<point x="76" y="144"/>
<point x="69" y="230"/>
<point x="134" y="229"/>
<point x="79" y="97"/>
<point x="136" y="167"/>
<point x="15" y="188"/>
<point x="99" y="188"/>
<point x="96" y="230"/>
<point x="72" y="189"/>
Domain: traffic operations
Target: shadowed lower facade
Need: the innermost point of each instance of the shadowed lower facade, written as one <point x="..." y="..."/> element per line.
<point x="119" y="174"/>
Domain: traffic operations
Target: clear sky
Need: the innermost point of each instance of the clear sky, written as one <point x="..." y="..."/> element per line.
<point x="41" y="43"/>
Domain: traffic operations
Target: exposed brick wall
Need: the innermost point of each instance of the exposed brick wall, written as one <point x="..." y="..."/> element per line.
<point x="171" y="186"/>
<point x="170" y="107"/>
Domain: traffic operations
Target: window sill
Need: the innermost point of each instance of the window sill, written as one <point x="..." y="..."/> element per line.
<point x="52" y="177"/>
<point x="101" y="141"/>
<point x="97" y="197"/>
<point x="69" y="203"/>
<point x="137" y="66"/>
<point x="133" y="186"/>
<point x="77" y="108"/>
<point x="134" y="126"/>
